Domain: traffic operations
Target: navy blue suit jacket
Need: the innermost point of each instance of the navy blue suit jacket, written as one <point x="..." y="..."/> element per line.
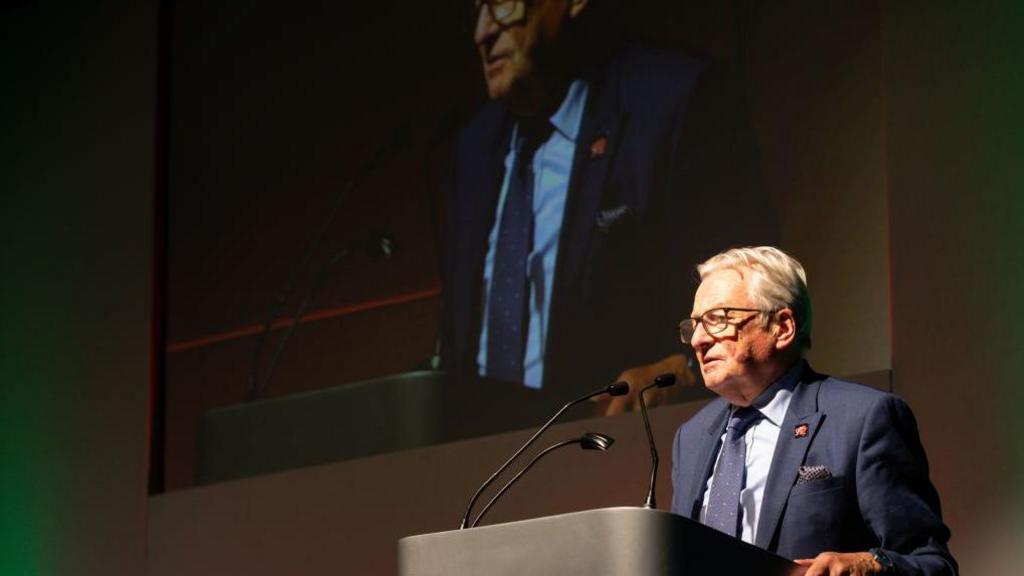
<point x="879" y="495"/>
<point x="664" y="175"/>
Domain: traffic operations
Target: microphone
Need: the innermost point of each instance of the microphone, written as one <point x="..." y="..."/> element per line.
<point x="447" y="129"/>
<point x="617" y="389"/>
<point x="662" y="381"/>
<point x="589" y="441"/>
<point x="380" y="246"/>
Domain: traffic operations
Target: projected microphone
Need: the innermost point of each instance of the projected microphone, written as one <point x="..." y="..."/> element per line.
<point x="589" y="441"/>
<point x="377" y="246"/>
<point x="617" y="389"/>
<point x="399" y="139"/>
<point x="662" y="381"/>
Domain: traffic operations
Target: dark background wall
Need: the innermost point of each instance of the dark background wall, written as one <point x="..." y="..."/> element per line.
<point x="77" y="181"/>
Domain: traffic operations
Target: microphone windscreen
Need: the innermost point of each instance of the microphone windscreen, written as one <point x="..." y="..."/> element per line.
<point x="665" y="380"/>
<point x="596" y="441"/>
<point x="618" y="389"/>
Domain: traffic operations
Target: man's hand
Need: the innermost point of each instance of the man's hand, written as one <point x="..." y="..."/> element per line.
<point x="641" y="376"/>
<point x="841" y="564"/>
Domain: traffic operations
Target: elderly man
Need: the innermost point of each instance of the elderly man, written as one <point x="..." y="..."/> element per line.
<point x="826" y="472"/>
<point x="567" y="196"/>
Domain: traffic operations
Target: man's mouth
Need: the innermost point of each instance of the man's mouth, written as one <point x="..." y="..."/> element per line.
<point x="495" y="59"/>
<point x="709" y="361"/>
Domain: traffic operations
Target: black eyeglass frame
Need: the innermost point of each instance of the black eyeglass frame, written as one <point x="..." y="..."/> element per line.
<point x="688" y="326"/>
<point x="516" y="12"/>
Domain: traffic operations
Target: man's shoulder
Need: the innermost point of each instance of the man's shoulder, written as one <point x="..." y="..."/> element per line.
<point x="838" y="391"/>
<point x="638" y="62"/>
<point x="484" y="129"/>
<point x="857" y="402"/>
<point x="650" y="75"/>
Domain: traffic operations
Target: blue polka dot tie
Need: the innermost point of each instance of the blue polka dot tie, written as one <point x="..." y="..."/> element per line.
<point x="508" y="310"/>
<point x="723" y="512"/>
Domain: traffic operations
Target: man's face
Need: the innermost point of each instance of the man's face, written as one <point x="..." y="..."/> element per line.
<point x="516" y="54"/>
<point x="734" y="362"/>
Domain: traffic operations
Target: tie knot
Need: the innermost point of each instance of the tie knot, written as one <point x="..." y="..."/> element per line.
<point x="531" y="134"/>
<point x="741" y="420"/>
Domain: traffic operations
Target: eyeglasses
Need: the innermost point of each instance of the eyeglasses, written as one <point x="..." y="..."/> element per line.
<point x="502" y="12"/>
<point x="715" y="321"/>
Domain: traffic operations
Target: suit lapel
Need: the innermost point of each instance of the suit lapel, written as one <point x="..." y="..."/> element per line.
<point x="486" y="190"/>
<point x="703" y="461"/>
<point x="484" y="175"/>
<point x="596" y="145"/>
<point x="789" y="454"/>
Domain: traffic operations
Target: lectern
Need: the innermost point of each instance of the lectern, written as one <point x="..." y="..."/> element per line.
<point x="602" y="542"/>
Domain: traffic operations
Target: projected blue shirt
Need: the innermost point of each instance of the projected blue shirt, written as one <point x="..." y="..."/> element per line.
<point x="552" y="166"/>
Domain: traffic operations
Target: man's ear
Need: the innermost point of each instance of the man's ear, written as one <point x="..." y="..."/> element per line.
<point x="576" y="7"/>
<point x="784" y="329"/>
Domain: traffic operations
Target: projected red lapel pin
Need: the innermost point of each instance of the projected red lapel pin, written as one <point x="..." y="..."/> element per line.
<point x="800" y="431"/>
<point x="599" y="147"/>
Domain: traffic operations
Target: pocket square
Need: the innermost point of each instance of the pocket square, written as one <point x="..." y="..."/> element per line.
<point x="812" y="473"/>
<point x="609" y="216"/>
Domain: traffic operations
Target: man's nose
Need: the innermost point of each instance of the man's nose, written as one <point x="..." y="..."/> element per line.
<point x="486" y="27"/>
<point x="700" y="339"/>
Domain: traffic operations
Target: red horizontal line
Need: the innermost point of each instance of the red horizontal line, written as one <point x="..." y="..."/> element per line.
<point x="311" y="317"/>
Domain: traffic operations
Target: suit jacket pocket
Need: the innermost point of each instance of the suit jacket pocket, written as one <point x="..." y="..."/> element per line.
<point x="817" y="486"/>
<point x="816" y="517"/>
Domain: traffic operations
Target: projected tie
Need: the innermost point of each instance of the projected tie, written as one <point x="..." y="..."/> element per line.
<point x="724" y="501"/>
<point x="508" y="310"/>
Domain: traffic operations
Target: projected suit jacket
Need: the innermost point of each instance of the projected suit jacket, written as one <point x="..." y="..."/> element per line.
<point x="663" y="176"/>
<point x="878" y="495"/>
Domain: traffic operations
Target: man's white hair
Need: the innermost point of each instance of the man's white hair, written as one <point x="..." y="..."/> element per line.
<point x="778" y="281"/>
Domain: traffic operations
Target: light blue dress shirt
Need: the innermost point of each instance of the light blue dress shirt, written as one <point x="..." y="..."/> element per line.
<point x="552" y="167"/>
<point x="761" y="439"/>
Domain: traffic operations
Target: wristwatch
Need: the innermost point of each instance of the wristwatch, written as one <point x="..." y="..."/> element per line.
<point x="883" y="560"/>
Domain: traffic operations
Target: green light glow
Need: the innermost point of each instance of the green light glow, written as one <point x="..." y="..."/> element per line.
<point x="26" y="503"/>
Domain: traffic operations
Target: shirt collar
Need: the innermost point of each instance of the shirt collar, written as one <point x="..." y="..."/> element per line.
<point x="569" y="115"/>
<point x="774" y="401"/>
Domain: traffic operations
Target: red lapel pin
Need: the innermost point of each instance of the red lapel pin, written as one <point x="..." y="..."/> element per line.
<point x="599" y="147"/>
<point x="800" y="431"/>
